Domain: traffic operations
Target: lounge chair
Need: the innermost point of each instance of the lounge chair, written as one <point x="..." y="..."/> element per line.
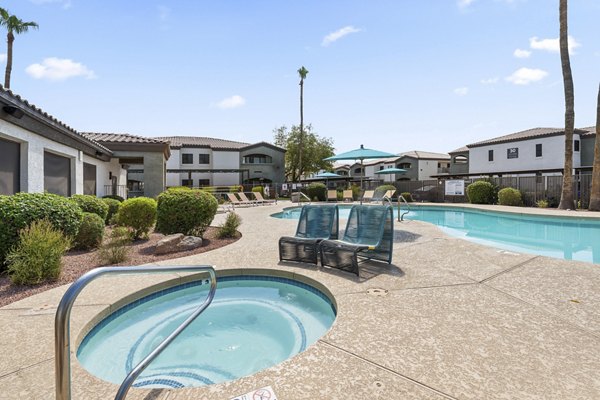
<point x="259" y="197"/>
<point x="369" y="235"/>
<point x="332" y="195"/>
<point x="389" y="194"/>
<point x="245" y="199"/>
<point x="348" y="195"/>
<point x="368" y="195"/>
<point x="236" y="202"/>
<point x="316" y="223"/>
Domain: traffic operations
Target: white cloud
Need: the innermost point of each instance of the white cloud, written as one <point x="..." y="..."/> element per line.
<point x="461" y="91"/>
<point x="525" y="76"/>
<point x="59" y="69"/>
<point x="522" y="53"/>
<point x="337" y="35"/>
<point x="65" y="3"/>
<point x="552" y="45"/>
<point x="462" y="4"/>
<point x="2" y="57"/>
<point x="234" y="101"/>
<point x="490" y="81"/>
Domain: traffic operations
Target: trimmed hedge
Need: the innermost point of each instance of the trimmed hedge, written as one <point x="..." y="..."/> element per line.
<point x="481" y="192"/>
<point x="138" y="213"/>
<point x="185" y="211"/>
<point x="90" y="232"/>
<point x="317" y="191"/>
<point x="407" y="196"/>
<point x="510" y="197"/>
<point x="20" y="210"/>
<point x="113" y="209"/>
<point x="91" y="204"/>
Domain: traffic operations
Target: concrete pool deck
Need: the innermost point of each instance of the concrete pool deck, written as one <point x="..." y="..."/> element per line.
<point x="451" y="320"/>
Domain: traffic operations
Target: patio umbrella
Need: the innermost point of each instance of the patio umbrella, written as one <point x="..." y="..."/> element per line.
<point x="390" y="171"/>
<point x="326" y="176"/>
<point x="360" y="154"/>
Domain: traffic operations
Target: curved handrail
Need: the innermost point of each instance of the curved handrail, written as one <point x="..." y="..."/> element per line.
<point x="401" y="215"/>
<point x="303" y="195"/>
<point x="62" y="343"/>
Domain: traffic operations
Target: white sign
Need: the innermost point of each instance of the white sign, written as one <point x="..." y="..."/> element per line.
<point x="455" y="188"/>
<point x="265" y="393"/>
<point x="284" y="186"/>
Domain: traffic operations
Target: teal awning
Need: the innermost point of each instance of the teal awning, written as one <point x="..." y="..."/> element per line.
<point x="391" y="171"/>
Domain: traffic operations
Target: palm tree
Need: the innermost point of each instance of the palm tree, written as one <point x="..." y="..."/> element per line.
<point x="566" y="197"/>
<point x="13" y="25"/>
<point x="302" y="72"/>
<point x="595" y="193"/>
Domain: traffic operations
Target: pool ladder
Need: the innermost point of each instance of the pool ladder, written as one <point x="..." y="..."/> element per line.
<point x="62" y="345"/>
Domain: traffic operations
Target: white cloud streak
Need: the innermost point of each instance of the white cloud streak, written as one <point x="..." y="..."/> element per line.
<point x="66" y="4"/>
<point x="490" y="81"/>
<point x="234" y="101"/>
<point x="2" y="57"/>
<point x="59" y="69"/>
<point x="461" y="91"/>
<point x="462" y="4"/>
<point x="525" y="76"/>
<point x="519" y="53"/>
<point x="337" y="35"/>
<point x="552" y="45"/>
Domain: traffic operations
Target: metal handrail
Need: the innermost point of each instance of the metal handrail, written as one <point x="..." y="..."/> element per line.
<point x="384" y="198"/>
<point x="401" y="215"/>
<point x="62" y="339"/>
<point x="303" y="195"/>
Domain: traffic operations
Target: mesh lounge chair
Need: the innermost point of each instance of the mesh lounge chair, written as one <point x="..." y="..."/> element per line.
<point x="235" y="201"/>
<point x="316" y="223"/>
<point x="259" y="197"/>
<point x="348" y="195"/>
<point x="332" y="195"/>
<point x="368" y="195"/>
<point x="245" y="199"/>
<point x="369" y="235"/>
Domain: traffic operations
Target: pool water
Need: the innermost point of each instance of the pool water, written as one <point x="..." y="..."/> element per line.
<point x="569" y="238"/>
<point x="254" y="322"/>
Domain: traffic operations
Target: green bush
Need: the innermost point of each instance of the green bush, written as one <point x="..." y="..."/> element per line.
<point x="114" y="197"/>
<point x="229" y="228"/>
<point x="91" y="232"/>
<point x="381" y="190"/>
<point x="542" y="203"/>
<point x="340" y="195"/>
<point x="20" y="210"/>
<point x="259" y="189"/>
<point x="236" y="188"/>
<point x="91" y="204"/>
<point x="188" y="212"/>
<point x="37" y="257"/>
<point x="510" y="197"/>
<point x="113" y="208"/>
<point x="481" y="192"/>
<point x="115" y="250"/>
<point x="356" y="192"/>
<point x="139" y="214"/>
<point x="317" y="190"/>
<point x="407" y="196"/>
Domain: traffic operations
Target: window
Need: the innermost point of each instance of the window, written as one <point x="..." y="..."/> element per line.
<point x="204" y="182"/>
<point x="257" y="159"/>
<point x="357" y="170"/>
<point x="57" y="174"/>
<point x="10" y="163"/>
<point x="89" y="179"/>
<point x="405" y="165"/>
<point x="187" y="158"/>
<point x="461" y="160"/>
<point x="538" y="177"/>
<point x="538" y="150"/>
<point x="381" y="167"/>
<point x="187" y="182"/>
<point x="203" y="158"/>
<point x="576" y="145"/>
<point x="490" y="155"/>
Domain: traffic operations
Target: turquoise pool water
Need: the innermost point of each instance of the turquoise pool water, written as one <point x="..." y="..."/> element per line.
<point x="566" y="238"/>
<point x="254" y="322"/>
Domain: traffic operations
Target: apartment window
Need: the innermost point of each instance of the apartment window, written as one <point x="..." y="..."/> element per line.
<point x="490" y="155"/>
<point x="538" y="150"/>
<point x="187" y="158"/>
<point x="576" y="145"/>
<point x="10" y="163"/>
<point x="381" y="167"/>
<point x="357" y="170"/>
<point x="187" y="182"/>
<point x="203" y="158"/>
<point x="57" y="174"/>
<point x="404" y="165"/>
<point x="257" y="159"/>
<point x="89" y="179"/>
<point x="204" y="182"/>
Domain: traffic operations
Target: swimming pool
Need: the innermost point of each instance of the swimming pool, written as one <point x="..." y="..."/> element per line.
<point x="569" y="238"/>
<point x="254" y="322"/>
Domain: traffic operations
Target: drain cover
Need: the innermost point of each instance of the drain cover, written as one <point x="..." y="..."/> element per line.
<point x="377" y="292"/>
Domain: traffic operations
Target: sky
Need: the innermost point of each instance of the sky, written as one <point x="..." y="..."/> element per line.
<point x="394" y="75"/>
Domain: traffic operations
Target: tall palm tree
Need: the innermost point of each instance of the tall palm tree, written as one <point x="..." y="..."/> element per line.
<point x="566" y="197"/>
<point x="302" y="72"/>
<point x="595" y="193"/>
<point x="13" y="25"/>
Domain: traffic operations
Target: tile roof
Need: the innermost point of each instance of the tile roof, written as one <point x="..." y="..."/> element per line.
<point x="459" y="150"/>
<point x="121" y="138"/>
<point x="197" y="141"/>
<point x="590" y="130"/>
<point x="523" y="135"/>
<point x="425" y="155"/>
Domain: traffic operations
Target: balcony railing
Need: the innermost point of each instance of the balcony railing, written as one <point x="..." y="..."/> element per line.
<point x="115" y="190"/>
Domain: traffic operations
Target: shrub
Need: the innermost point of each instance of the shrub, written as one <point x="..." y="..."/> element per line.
<point x="20" y="210"/>
<point x="407" y="196"/>
<point x="114" y="197"/>
<point x="91" y="232"/>
<point x="481" y="192"/>
<point x="236" y="188"/>
<point x="116" y="249"/>
<point x="37" y="257"/>
<point x="259" y="189"/>
<point x="542" y="203"/>
<point x="318" y="190"/>
<point x="510" y="197"/>
<point x="188" y="212"/>
<point x="356" y="192"/>
<point x="340" y="195"/>
<point x="139" y="214"/>
<point x="380" y="190"/>
<point x="113" y="208"/>
<point x="91" y="204"/>
<point x="229" y="228"/>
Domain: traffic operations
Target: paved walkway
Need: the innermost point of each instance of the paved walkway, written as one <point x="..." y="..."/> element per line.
<point x="455" y="320"/>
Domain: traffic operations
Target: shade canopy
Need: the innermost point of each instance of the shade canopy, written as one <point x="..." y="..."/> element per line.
<point x="327" y="175"/>
<point x="391" y="171"/>
<point x="360" y="154"/>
